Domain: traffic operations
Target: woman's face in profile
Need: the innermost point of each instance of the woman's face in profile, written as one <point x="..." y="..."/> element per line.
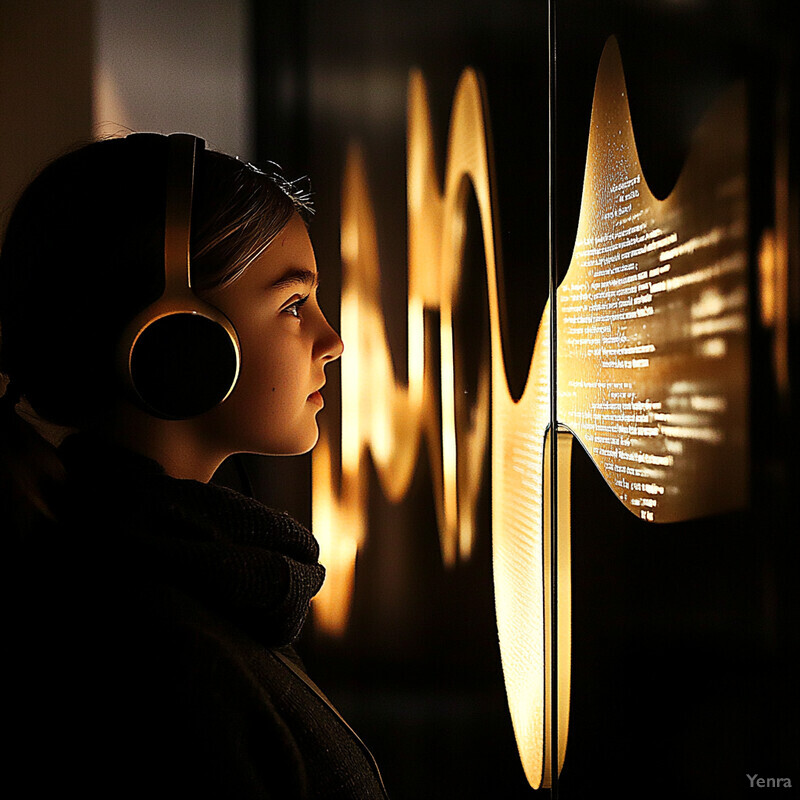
<point x="285" y="344"/>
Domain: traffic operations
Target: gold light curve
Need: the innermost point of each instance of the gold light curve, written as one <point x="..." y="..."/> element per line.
<point x="652" y="364"/>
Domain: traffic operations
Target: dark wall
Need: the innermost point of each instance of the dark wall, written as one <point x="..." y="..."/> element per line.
<point x="684" y="635"/>
<point x="45" y="88"/>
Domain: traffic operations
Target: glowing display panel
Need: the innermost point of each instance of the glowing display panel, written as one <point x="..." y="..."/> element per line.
<point x="652" y="316"/>
<point x="652" y="370"/>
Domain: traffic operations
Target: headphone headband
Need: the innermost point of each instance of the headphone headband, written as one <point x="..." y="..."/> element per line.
<point x="184" y="150"/>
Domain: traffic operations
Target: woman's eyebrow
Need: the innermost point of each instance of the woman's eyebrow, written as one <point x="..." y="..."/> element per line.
<point x="295" y="275"/>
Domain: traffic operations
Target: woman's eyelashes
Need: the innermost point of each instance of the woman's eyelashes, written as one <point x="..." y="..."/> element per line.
<point x="294" y="308"/>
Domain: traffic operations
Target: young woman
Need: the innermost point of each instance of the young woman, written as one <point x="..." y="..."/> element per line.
<point x="150" y="613"/>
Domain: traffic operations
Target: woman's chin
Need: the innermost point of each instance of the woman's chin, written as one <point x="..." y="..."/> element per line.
<point x="295" y="447"/>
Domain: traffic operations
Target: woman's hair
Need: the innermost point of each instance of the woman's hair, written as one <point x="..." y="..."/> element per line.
<point x="83" y="253"/>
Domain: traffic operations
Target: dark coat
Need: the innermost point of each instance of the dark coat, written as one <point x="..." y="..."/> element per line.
<point x="151" y="650"/>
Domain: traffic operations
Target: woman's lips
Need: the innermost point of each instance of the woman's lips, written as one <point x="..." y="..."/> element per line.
<point x="316" y="398"/>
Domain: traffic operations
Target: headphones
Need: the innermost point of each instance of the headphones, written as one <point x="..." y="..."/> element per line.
<point x="180" y="356"/>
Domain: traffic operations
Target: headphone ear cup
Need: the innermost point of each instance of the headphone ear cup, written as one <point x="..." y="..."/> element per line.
<point x="179" y="356"/>
<point x="183" y="364"/>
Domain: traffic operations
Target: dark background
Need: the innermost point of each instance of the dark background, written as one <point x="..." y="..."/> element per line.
<point x="684" y="635"/>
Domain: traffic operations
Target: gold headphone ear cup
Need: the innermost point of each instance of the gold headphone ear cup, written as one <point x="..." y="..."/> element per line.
<point x="183" y="364"/>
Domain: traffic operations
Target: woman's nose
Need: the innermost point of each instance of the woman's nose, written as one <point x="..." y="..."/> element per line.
<point x="330" y="345"/>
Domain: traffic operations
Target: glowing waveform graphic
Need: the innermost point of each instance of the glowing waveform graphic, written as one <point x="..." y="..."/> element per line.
<point x="653" y="315"/>
<point x="380" y="416"/>
<point x="651" y="362"/>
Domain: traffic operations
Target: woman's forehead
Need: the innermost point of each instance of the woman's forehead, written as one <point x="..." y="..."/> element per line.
<point x="289" y="259"/>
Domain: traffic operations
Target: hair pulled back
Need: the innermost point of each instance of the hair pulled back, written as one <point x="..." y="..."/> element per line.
<point x="84" y="253"/>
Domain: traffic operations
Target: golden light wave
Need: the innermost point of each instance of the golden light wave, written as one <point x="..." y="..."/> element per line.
<point x="389" y="420"/>
<point x="380" y="415"/>
<point x="652" y="363"/>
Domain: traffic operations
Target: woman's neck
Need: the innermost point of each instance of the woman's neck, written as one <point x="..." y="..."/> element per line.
<point x="177" y="445"/>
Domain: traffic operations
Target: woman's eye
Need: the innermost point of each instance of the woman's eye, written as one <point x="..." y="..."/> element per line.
<point x="294" y="308"/>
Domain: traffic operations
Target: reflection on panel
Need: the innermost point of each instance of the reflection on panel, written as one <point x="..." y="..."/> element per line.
<point x="652" y="363"/>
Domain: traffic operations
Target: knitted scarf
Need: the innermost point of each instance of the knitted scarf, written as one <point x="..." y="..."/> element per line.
<point x="132" y="520"/>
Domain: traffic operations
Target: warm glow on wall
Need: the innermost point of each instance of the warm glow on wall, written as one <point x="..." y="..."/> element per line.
<point x="652" y="364"/>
